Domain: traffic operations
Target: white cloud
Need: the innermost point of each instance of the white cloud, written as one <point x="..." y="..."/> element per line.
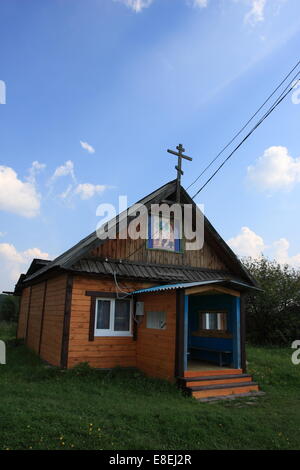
<point x="136" y="5"/>
<point x="63" y="170"/>
<point x="198" y="3"/>
<point x="14" y="262"/>
<point x="247" y="243"/>
<point x="83" y="190"/>
<point x="65" y="194"/>
<point x="17" y="196"/>
<point x="139" y="5"/>
<point x="87" y="147"/>
<point x="274" y="170"/>
<point x="35" y="168"/>
<point x="88" y="190"/>
<point x="256" y="14"/>
<point x="281" y="253"/>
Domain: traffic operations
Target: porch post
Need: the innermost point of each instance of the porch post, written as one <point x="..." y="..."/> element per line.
<point x="243" y="331"/>
<point x="237" y="334"/>
<point x="185" y="338"/>
<point x="179" y="345"/>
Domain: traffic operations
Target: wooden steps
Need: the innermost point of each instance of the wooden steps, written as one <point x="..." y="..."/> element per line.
<point x="217" y="380"/>
<point x="218" y="383"/>
<point x="208" y="373"/>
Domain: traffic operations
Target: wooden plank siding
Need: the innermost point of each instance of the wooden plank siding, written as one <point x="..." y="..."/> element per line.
<point x="152" y="350"/>
<point x="156" y="348"/>
<point x="136" y="250"/>
<point x="102" y="352"/>
<point x="41" y="317"/>
<point x="35" y="316"/>
<point x="54" y="309"/>
<point x="23" y="312"/>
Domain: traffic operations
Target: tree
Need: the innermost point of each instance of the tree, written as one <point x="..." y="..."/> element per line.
<point x="273" y="314"/>
<point x="8" y="308"/>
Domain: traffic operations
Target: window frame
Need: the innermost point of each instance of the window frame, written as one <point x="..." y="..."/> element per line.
<point x="203" y="313"/>
<point x="111" y="332"/>
<point x="158" y="312"/>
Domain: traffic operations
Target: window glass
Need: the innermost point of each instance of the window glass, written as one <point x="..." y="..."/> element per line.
<point x="214" y="321"/>
<point x="122" y="315"/>
<point x="103" y="314"/>
<point x="156" y="320"/>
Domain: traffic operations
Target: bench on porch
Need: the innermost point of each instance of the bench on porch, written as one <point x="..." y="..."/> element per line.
<point x="218" y="351"/>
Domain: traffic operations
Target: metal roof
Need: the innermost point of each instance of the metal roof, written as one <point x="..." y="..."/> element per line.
<point x="73" y="259"/>
<point x="186" y="285"/>
<point x="150" y="271"/>
<point x="73" y="254"/>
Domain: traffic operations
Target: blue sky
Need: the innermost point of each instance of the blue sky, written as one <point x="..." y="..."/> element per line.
<point x="97" y="90"/>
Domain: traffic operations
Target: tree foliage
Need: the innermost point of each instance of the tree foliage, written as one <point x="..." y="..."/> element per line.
<point x="273" y="314"/>
<point x="8" y="308"/>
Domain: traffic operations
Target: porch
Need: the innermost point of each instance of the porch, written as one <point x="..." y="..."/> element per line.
<point x="210" y="348"/>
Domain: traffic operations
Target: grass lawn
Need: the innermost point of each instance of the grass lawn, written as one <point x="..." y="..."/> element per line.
<point x="45" y="408"/>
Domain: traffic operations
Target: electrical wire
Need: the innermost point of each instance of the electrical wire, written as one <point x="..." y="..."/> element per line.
<point x="283" y="95"/>
<point x="245" y="125"/>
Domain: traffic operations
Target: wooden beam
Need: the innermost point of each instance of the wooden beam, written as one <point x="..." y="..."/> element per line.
<point x="28" y="314"/>
<point x="66" y="326"/>
<point x="92" y="318"/>
<point x="92" y="293"/>
<point x="135" y="326"/>
<point x="243" y="331"/>
<point x="212" y="289"/>
<point x="179" y="345"/>
<point x="43" y="315"/>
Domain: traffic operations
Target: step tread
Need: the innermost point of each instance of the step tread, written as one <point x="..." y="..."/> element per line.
<point x="205" y="373"/>
<point x="198" y="388"/>
<point x="203" y="378"/>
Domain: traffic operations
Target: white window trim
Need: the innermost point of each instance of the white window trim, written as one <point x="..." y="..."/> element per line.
<point x="111" y="331"/>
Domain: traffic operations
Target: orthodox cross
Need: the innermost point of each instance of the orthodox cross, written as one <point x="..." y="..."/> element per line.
<point x="180" y="156"/>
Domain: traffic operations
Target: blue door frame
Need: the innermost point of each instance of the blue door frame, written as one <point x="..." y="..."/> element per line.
<point x="235" y="326"/>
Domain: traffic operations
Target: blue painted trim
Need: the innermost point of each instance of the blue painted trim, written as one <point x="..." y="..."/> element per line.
<point x="185" y="336"/>
<point x="150" y="239"/>
<point x="185" y="285"/>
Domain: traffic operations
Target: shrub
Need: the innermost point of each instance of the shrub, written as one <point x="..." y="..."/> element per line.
<point x="273" y="315"/>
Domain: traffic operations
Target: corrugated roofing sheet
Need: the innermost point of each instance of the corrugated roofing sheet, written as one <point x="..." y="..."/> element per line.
<point x="186" y="285"/>
<point x="151" y="272"/>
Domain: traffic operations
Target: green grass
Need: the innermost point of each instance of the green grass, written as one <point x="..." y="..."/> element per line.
<point x="42" y="407"/>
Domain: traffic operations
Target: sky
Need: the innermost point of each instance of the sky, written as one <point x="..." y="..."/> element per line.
<point x="93" y="92"/>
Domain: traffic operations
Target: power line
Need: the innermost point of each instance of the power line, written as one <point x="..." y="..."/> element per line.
<point x="245" y="125"/>
<point x="283" y="95"/>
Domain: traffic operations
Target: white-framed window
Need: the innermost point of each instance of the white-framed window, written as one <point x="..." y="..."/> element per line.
<point x="113" y="317"/>
<point x="214" y="321"/>
<point x="156" y="320"/>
